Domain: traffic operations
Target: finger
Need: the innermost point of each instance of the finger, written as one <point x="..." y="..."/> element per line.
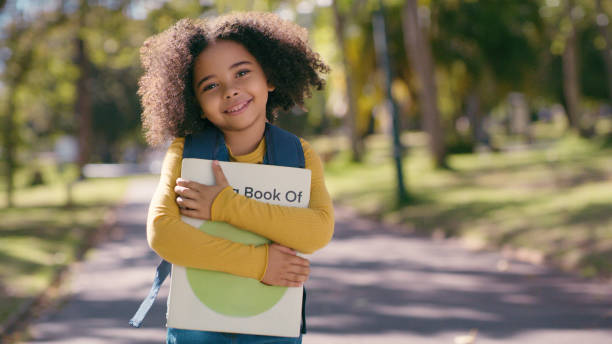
<point x="300" y="270"/>
<point x="291" y="277"/>
<point x="181" y="181"/>
<point x="291" y="284"/>
<point x="186" y="192"/>
<point x="188" y="184"/>
<point x="219" y="175"/>
<point x="285" y="249"/>
<point x="284" y="283"/>
<point x="297" y="275"/>
<point x="189" y="212"/>
<point x="296" y="260"/>
<point x="186" y="203"/>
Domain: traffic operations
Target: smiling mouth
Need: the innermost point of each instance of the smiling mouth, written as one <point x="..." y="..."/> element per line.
<point x="238" y="108"/>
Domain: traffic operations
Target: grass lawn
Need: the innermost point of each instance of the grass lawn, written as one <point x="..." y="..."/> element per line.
<point x="552" y="203"/>
<point x="39" y="235"/>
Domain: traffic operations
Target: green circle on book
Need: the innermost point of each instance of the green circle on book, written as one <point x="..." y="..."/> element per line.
<point x="229" y="294"/>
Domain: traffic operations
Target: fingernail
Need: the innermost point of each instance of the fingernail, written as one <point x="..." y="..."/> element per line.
<point x="216" y="162"/>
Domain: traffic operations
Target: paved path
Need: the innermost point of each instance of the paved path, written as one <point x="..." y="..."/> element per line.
<point x="372" y="284"/>
<point x="108" y="287"/>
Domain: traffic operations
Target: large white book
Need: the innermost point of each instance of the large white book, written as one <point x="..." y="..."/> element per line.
<point x="216" y="301"/>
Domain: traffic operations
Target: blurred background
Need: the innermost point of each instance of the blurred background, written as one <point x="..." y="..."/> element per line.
<point x="490" y="121"/>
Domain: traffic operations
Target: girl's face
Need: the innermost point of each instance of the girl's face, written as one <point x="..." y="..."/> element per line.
<point x="231" y="88"/>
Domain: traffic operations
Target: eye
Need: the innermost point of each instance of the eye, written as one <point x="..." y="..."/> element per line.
<point x="209" y="87"/>
<point x="242" y="72"/>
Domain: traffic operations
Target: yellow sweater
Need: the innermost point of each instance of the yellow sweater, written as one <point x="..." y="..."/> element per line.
<point x="303" y="229"/>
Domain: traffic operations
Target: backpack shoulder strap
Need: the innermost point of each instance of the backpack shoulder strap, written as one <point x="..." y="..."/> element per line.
<point x="207" y="144"/>
<point x="162" y="271"/>
<point x="283" y="148"/>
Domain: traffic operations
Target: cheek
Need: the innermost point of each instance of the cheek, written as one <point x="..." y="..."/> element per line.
<point x="206" y="102"/>
<point x="260" y="87"/>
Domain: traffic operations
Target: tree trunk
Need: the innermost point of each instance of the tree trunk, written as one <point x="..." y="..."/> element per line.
<point x="607" y="51"/>
<point x="15" y="78"/>
<point x="384" y="62"/>
<point x="571" y="85"/>
<point x="83" y="102"/>
<point x="351" y="116"/>
<point x="419" y="51"/>
<point x="9" y="147"/>
<point x="474" y="112"/>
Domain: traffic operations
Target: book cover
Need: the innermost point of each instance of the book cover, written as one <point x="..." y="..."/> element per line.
<point x="216" y="301"/>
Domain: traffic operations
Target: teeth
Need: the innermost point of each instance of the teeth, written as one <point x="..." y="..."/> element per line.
<point x="238" y="107"/>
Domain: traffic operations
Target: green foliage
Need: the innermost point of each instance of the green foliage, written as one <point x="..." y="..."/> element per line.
<point x="45" y="97"/>
<point x="459" y="144"/>
<point x="170" y="12"/>
<point x="593" y="80"/>
<point x="551" y="201"/>
<point x="482" y="48"/>
<point x="487" y="35"/>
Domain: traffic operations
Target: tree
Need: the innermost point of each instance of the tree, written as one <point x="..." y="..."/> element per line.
<point x="22" y="38"/>
<point x="13" y="78"/>
<point x="579" y="49"/>
<point x="83" y="108"/>
<point x="382" y="52"/>
<point x="603" y="24"/>
<point x="485" y="50"/>
<point x="419" y="50"/>
<point x="351" y="115"/>
<point x="50" y="85"/>
<point x="571" y="85"/>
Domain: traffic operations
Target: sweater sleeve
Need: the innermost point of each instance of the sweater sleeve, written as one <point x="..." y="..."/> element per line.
<point x="303" y="229"/>
<point x="182" y="244"/>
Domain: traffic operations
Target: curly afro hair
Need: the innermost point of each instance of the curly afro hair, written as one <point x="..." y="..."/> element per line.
<point x="170" y="108"/>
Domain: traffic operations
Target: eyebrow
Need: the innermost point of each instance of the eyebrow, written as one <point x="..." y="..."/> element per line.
<point x="211" y="75"/>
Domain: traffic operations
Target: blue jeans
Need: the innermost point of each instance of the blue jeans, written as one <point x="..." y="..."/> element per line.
<point x="179" y="336"/>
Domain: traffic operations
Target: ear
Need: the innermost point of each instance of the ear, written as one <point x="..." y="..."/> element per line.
<point x="271" y="87"/>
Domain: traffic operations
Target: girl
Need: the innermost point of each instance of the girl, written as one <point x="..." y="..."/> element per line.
<point x="234" y="72"/>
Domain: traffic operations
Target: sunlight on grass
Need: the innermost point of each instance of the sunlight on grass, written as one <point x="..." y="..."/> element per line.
<point x="39" y="235"/>
<point x="553" y="199"/>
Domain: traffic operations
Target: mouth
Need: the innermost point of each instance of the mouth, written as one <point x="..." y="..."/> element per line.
<point x="238" y="108"/>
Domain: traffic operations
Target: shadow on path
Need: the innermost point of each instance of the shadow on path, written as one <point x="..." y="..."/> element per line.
<point x="372" y="284"/>
<point x="373" y="280"/>
<point x="109" y="285"/>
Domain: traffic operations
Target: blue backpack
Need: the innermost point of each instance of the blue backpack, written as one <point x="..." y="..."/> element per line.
<point x="282" y="149"/>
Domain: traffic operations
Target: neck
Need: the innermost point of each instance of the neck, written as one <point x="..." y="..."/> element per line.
<point x="241" y="143"/>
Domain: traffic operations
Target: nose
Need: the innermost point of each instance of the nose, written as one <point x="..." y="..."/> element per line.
<point x="231" y="92"/>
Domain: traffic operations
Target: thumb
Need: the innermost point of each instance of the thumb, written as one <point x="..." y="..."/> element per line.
<point x="219" y="175"/>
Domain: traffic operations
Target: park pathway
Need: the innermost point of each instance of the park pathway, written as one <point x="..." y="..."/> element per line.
<point x="372" y="284"/>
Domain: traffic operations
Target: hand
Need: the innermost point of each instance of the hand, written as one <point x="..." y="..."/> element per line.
<point x="195" y="199"/>
<point x="285" y="268"/>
